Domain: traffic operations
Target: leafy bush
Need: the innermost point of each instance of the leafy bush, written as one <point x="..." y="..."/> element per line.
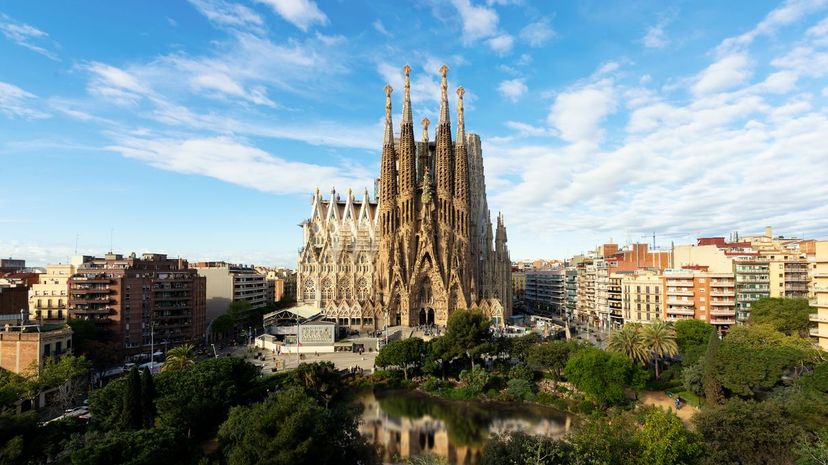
<point x="522" y="371"/>
<point x="519" y="389"/>
<point x="475" y="380"/>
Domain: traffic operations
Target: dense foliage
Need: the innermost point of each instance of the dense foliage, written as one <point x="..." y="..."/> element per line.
<point x="789" y="316"/>
<point x="603" y="376"/>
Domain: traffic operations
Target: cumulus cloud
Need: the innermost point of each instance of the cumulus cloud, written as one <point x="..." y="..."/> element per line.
<point x="478" y="21"/>
<point x="301" y="13"/>
<point x="726" y="73"/>
<point x="227" y="14"/>
<point x="236" y="162"/>
<point x="788" y="13"/>
<point x="578" y="113"/>
<point x="27" y="36"/>
<point x="17" y="103"/>
<point x="538" y="33"/>
<point x="501" y="44"/>
<point x="655" y="37"/>
<point x="513" y="89"/>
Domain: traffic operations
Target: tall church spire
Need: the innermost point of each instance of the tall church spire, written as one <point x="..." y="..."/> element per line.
<point x="444" y="165"/>
<point x="461" y="160"/>
<point x="388" y="172"/>
<point x="407" y="151"/>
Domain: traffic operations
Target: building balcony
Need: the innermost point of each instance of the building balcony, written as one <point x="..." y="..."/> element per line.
<point x="722" y="284"/>
<point x="718" y="293"/>
<point x="96" y="279"/>
<point x="681" y="303"/>
<point x="680" y="311"/>
<point x="91" y="311"/>
<point x="682" y="292"/>
<point x="679" y="282"/>
<point x="723" y="312"/>
<point x="815" y="332"/>
<point x="728" y="321"/>
<point x="91" y="300"/>
<point x="84" y="289"/>
<point x="817" y="318"/>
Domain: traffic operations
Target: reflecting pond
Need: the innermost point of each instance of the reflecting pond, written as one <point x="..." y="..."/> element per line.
<point x="407" y="424"/>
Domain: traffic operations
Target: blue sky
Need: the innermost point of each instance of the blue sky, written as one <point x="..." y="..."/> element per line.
<point x="200" y="128"/>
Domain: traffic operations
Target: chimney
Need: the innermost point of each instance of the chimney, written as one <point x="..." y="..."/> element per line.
<point x="768" y="232"/>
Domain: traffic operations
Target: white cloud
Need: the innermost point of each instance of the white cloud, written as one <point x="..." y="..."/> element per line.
<point x="479" y="22"/>
<point x="379" y="27"/>
<point x="513" y="89"/>
<point x="726" y="73"/>
<point x="538" y="33"/>
<point x="578" y="113"/>
<point x="233" y="161"/>
<point x="525" y="129"/>
<point x="501" y="44"/>
<point x="228" y="14"/>
<point x="17" y="103"/>
<point x="26" y="36"/>
<point x="655" y="37"/>
<point x="788" y="13"/>
<point x="300" y="13"/>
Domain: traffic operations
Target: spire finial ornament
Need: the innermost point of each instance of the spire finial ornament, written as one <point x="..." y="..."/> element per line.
<point x="461" y="130"/>
<point x="389" y="130"/>
<point x="443" y="94"/>
<point x="406" y="116"/>
<point x="425" y="122"/>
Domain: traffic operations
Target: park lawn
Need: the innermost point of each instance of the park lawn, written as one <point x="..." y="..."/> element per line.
<point x="690" y="397"/>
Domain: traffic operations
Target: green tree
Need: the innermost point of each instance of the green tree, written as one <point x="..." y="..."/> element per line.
<point x="629" y="341"/>
<point x="222" y="325"/>
<point x="292" y="428"/>
<point x="131" y="415"/>
<point x="519" y="347"/>
<point x="789" y="316"/>
<point x="141" y="447"/>
<point x="814" y="452"/>
<point x="320" y="380"/>
<point x="197" y="400"/>
<point x="606" y="440"/>
<point x="692" y="337"/>
<point x="179" y="358"/>
<point x="69" y="375"/>
<point x="665" y="441"/>
<point x="107" y="404"/>
<point x="753" y="358"/>
<point x="552" y="356"/>
<point x="519" y="389"/>
<point x="522" y="449"/>
<point x="468" y="334"/>
<point x="242" y="313"/>
<point x="660" y="340"/>
<point x="475" y="380"/>
<point x="693" y="378"/>
<point x="601" y="376"/>
<point x="403" y="354"/>
<point x="748" y="433"/>
<point x="147" y="399"/>
<point x="436" y="356"/>
<point x="712" y="387"/>
<point x="12" y="388"/>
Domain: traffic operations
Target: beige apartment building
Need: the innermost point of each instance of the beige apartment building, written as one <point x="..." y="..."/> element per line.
<point x="228" y="283"/>
<point x="819" y="290"/>
<point x="642" y="299"/>
<point x="49" y="298"/>
<point x="701" y="295"/>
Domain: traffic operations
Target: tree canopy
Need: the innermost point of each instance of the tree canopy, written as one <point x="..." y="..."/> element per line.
<point x="789" y="316"/>
<point x="289" y="428"/>
<point x="468" y="333"/>
<point x="601" y="375"/>
<point x="403" y="354"/>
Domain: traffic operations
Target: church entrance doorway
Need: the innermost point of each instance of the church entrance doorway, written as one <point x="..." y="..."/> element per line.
<point x="426" y="316"/>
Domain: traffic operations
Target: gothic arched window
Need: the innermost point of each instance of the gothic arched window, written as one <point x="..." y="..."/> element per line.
<point x="327" y="291"/>
<point x="362" y="290"/>
<point x="310" y="290"/>
<point x="343" y="289"/>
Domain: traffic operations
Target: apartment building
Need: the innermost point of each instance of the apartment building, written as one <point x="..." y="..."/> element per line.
<point x="752" y="283"/>
<point x="571" y="283"/>
<point x="701" y="295"/>
<point x="140" y="301"/>
<point x="227" y="283"/>
<point x="518" y="283"/>
<point x="642" y="298"/>
<point x="602" y="292"/>
<point x="13" y="299"/>
<point x="788" y="275"/>
<point x="615" y="299"/>
<point x="819" y="290"/>
<point x="26" y="347"/>
<point x="585" y="306"/>
<point x="49" y="297"/>
<point x="546" y="289"/>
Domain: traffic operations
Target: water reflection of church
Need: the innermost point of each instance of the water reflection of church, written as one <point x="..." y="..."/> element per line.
<point x="401" y="436"/>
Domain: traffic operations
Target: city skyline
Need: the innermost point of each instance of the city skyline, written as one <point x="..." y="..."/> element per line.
<point x="596" y="123"/>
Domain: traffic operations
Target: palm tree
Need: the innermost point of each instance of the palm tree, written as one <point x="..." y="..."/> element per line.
<point x="660" y="339"/>
<point x="628" y="341"/>
<point x="179" y="358"/>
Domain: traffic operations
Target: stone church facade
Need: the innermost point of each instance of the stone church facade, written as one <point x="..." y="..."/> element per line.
<point x="424" y="247"/>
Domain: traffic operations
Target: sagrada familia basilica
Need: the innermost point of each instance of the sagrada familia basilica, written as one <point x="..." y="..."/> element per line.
<point x="424" y="247"/>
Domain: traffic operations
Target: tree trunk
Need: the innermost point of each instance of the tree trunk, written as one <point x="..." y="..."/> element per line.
<point x="656" y="367"/>
<point x="405" y="373"/>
